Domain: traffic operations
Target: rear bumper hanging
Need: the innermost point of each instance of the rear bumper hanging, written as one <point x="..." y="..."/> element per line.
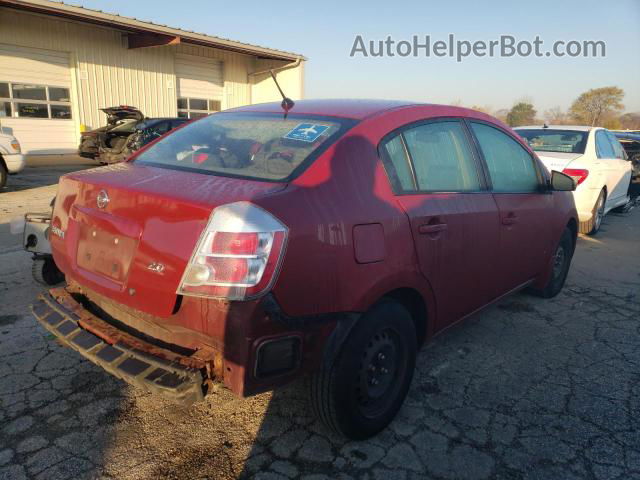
<point x="170" y="376"/>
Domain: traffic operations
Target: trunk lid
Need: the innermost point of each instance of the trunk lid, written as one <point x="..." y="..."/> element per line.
<point x="557" y="161"/>
<point x="122" y="112"/>
<point x="128" y="231"/>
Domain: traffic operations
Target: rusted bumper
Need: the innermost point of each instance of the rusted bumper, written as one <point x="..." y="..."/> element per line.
<point x="166" y="373"/>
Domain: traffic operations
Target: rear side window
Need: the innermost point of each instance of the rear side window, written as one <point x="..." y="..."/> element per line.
<point x="603" y="145"/>
<point x="617" y="148"/>
<point x="400" y="172"/>
<point x="441" y="157"/>
<point x="511" y="167"/>
<point x="246" y="145"/>
<point x="437" y="155"/>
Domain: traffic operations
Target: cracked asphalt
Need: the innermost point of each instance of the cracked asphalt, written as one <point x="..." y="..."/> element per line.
<point x="527" y="389"/>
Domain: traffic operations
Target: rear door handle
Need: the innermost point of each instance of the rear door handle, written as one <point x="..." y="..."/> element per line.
<point x="432" y="228"/>
<point x="509" y="219"/>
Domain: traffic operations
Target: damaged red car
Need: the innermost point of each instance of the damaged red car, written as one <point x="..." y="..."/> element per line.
<point x="253" y="247"/>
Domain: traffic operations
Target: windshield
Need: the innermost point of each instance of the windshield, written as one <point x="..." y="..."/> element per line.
<point x="561" y="141"/>
<point x="247" y="145"/>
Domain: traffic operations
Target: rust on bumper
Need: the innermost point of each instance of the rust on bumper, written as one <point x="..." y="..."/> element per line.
<point x="135" y="361"/>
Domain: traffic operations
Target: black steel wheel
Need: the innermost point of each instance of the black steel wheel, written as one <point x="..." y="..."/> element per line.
<point x="359" y="392"/>
<point x="561" y="262"/>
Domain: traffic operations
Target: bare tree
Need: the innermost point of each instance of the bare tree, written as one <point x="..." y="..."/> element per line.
<point x="593" y="106"/>
<point x="556" y="116"/>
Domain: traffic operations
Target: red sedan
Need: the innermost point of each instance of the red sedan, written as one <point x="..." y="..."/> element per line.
<point x="251" y="247"/>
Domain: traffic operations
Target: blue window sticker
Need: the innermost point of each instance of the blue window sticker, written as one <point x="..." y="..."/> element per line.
<point x="307" y="132"/>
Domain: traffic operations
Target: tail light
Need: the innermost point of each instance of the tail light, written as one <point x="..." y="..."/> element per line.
<point x="579" y="175"/>
<point x="238" y="254"/>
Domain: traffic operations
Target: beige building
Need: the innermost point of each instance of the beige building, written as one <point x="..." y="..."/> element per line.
<point x="60" y="64"/>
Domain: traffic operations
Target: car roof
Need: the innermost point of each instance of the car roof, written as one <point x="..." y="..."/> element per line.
<point x="579" y="128"/>
<point x="357" y="109"/>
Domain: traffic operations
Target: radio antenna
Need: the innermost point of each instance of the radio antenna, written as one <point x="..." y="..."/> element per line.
<point x="287" y="104"/>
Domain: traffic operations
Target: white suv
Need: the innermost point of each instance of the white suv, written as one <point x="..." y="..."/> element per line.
<point x="11" y="158"/>
<point x="594" y="158"/>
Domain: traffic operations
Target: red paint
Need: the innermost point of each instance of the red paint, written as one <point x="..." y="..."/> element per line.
<point x="457" y="251"/>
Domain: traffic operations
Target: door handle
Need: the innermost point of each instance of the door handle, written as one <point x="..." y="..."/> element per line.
<point x="432" y="228"/>
<point x="509" y="219"/>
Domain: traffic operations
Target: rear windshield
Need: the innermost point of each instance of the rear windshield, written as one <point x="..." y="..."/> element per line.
<point x="246" y="145"/>
<point x="562" y="141"/>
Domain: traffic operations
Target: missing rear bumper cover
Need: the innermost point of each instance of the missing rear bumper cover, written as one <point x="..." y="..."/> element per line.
<point x="157" y="375"/>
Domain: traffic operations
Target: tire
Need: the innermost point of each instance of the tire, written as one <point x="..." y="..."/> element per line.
<point x="592" y="226"/>
<point x="3" y="174"/>
<point x="561" y="263"/>
<point x="626" y="208"/>
<point x="46" y="272"/>
<point x="360" y="390"/>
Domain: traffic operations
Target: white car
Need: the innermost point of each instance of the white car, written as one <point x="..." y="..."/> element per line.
<point x="11" y="158"/>
<point x="594" y="158"/>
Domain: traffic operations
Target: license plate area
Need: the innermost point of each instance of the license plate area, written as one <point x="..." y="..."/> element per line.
<point x="105" y="253"/>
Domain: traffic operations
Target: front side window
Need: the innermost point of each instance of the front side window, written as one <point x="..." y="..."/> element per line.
<point x="603" y="145"/>
<point x="23" y="100"/>
<point x="246" y="145"/>
<point x="197" y="107"/>
<point x="511" y="167"/>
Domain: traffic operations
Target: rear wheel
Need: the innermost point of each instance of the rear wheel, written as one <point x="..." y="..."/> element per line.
<point x="592" y="226"/>
<point x="359" y="392"/>
<point x="561" y="263"/>
<point x="46" y="272"/>
<point x="631" y="202"/>
<point x="3" y="174"/>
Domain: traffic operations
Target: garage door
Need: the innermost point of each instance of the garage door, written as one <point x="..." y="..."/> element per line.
<point x="35" y="100"/>
<point x="200" y="85"/>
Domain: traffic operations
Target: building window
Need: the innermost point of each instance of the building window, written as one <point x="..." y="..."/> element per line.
<point x="21" y="100"/>
<point x="197" y="107"/>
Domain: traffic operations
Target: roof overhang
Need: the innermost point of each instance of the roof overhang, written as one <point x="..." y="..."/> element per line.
<point x="145" y="34"/>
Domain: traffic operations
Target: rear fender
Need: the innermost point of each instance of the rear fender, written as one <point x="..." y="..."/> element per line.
<point x="414" y="281"/>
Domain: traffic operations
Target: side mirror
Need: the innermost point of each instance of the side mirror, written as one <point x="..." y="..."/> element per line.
<point x="561" y="182"/>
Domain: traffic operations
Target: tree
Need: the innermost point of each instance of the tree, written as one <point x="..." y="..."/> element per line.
<point x="521" y="113"/>
<point x="593" y="106"/>
<point x="556" y="116"/>
<point x="482" y="108"/>
<point x="630" y="121"/>
<point x="501" y="114"/>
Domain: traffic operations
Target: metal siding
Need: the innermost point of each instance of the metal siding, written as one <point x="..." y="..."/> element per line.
<point x="106" y="73"/>
<point x="235" y="70"/>
<point x="198" y="76"/>
<point x="40" y="67"/>
<point x="263" y="89"/>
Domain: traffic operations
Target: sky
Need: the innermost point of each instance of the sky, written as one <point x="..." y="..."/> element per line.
<point x="325" y="32"/>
